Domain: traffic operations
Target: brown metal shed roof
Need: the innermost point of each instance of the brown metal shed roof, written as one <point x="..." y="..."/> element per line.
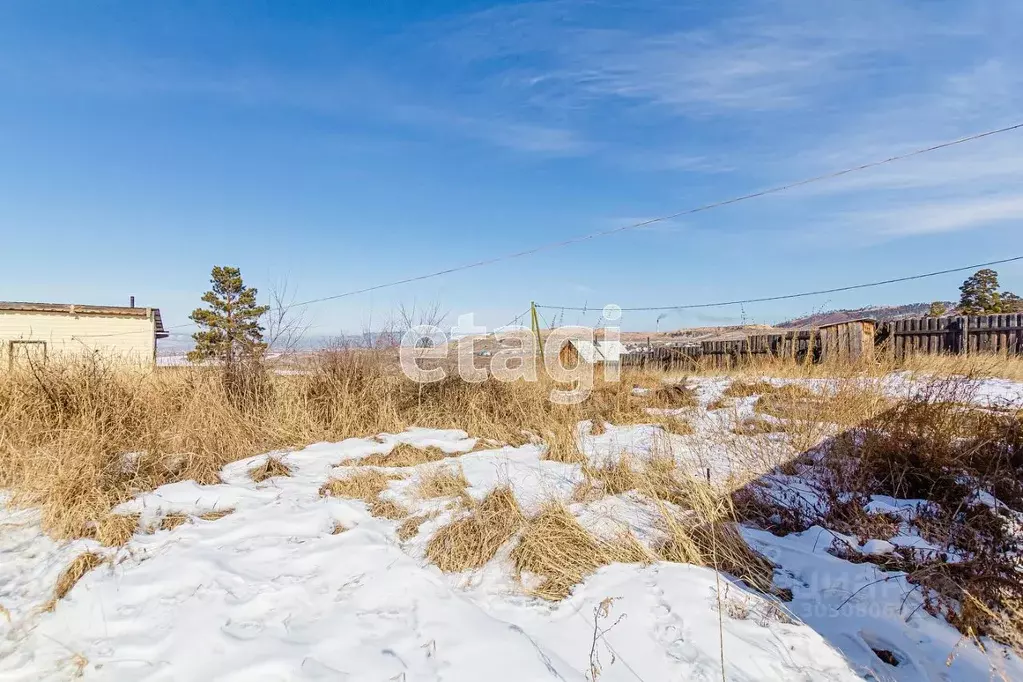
<point x="76" y="309"/>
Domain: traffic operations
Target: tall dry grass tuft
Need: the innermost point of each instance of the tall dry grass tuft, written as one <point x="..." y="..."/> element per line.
<point x="469" y="542"/>
<point x="401" y="455"/>
<point x="273" y="466"/>
<point x="69" y="577"/>
<point x="442" y="482"/>
<point x="936" y="446"/>
<point x="363" y="485"/>
<point x="113" y="530"/>
<point x="558" y="553"/>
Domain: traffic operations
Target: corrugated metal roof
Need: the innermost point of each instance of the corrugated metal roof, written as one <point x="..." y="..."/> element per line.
<point x="76" y="309"/>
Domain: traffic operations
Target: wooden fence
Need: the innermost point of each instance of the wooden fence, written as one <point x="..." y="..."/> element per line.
<point x="855" y="341"/>
<point x="960" y="334"/>
<point x="851" y="340"/>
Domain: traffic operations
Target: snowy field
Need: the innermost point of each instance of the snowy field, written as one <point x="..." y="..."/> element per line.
<point x="292" y="585"/>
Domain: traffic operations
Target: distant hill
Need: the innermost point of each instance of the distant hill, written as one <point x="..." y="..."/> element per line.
<point x="881" y="313"/>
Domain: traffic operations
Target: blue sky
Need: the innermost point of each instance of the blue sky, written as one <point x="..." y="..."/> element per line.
<point x="338" y="145"/>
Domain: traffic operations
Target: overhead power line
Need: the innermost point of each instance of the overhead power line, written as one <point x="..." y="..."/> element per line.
<point x="633" y="226"/>
<point x="699" y="209"/>
<point x="689" y="306"/>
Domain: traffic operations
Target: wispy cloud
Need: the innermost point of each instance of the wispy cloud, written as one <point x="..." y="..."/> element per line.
<point x="945" y="216"/>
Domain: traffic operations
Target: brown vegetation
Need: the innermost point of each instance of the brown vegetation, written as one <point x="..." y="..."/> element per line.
<point x="555" y="549"/>
<point x="401" y="455"/>
<point x="69" y="577"/>
<point x="273" y="466"/>
<point x="469" y="542"/>
<point x="363" y="485"/>
<point x="442" y="482"/>
<point x="931" y="447"/>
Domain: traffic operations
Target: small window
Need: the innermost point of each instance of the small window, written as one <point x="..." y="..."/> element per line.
<point x="26" y="353"/>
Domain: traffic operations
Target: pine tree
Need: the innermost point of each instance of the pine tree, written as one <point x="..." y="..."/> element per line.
<point x="937" y="309"/>
<point x="979" y="294"/>
<point x="1011" y="303"/>
<point x="229" y="329"/>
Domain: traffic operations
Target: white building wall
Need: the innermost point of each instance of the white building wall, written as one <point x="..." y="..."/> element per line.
<point x="131" y="340"/>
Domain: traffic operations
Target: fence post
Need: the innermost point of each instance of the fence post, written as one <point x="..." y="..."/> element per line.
<point x="536" y="328"/>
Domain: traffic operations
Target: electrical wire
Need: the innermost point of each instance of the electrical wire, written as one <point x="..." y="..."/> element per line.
<point x="633" y="226"/>
<point x="651" y="221"/>
<point x="689" y="306"/>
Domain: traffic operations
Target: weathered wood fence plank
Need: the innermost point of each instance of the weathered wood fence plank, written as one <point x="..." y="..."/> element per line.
<point x="965" y="334"/>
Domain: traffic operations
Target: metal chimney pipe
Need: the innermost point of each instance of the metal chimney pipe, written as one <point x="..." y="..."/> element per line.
<point x="131" y="302"/>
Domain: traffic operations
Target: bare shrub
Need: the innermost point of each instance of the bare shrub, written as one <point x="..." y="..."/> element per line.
<point x="934" y="447"/>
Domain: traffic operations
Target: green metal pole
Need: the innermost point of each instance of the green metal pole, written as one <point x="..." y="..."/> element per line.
<point x="536" y="328"/>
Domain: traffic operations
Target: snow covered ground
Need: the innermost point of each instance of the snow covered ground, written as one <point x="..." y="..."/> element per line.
<point x="271" y="591"/>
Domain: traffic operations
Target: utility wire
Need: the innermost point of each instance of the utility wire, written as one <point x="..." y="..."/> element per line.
<point x="644" y="223"/>
<point x="699" y="209"/>
<point x="805" y="293"/>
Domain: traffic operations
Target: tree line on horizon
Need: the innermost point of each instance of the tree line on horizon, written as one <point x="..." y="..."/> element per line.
<point x="980" y="294"/>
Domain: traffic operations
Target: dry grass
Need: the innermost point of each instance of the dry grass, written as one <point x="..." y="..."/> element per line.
<point x="65" y="432"/>
<point x="978" y="365"/>
<point x="757" y="426"/>
<point x="387" y="509"/>
<point x="116" y="529"/>
<point x="172" y="520"/>
<point x="673" y="396"/>
<point x="931" y="446"/>
<point x="559" y="553"/>
<point x="401" y="455"/>
<point x="720" y="403"/>
<point x="363" y="485"/>
<point x="674" y="424"/>
<point x="216" y="514"/>
<point x="410" y="527"/>
<point x="273" y="466"/>
<point x="744" y="389"/>
<point x="77" y="439"/>
<point x="69" y="577"/>
<point x="443" y="482"/>
<point x="611" y="478"/>
<point x="469" y="542"/>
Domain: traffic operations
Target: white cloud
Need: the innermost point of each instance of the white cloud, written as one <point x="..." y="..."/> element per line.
<point x="947" y="216"/>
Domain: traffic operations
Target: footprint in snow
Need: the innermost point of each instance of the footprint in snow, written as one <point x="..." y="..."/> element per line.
<point x="242" y="629"/>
